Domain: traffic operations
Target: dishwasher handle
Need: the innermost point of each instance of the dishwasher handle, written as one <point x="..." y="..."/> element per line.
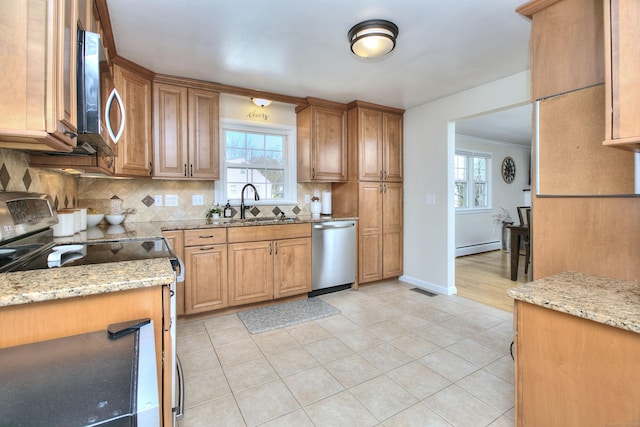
<point x="333" y="226"/>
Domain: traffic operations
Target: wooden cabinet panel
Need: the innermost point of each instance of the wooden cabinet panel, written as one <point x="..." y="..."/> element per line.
<point x="574" y="371"/>
<point x="250" y="272"/>
<point x="292" y="267"/>
<point x="567" y="43"/>
<point x="369" y="258"/>
<point x="392" y="225"/>
<point x="185" y="124"/>
<point x="176" y="242"/>
<point x="204" y="146"/>
<point x="37" y="89"/>
<point x="392" y="146"/>
<point x="134" y="148"/>
<point x="622" y="69"/>
<point x="268" y="232"/>
<point x="170" y="131"/>
<point x="206" y="278"/>
<point x="205" y="236"/>
<point x="370" y="142"/>
<point x="322" y="144"/>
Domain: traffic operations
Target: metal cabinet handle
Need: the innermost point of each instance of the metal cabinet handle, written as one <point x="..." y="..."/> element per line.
<point x="205" y="237"/>
<point x="185" y="169"/>
<point x="385" y="175"/>
<point x="313" y="172"/>
<point x="380" y="188"/>
<point x="276" y="248"/>
<point x="150" y="169"/>
<point x="385" y="188"/>
<point x="270" y="248"/>
<point x="191" y="166"/>
<point x="115" y="95"/>
<point x="70" y="134"/>
<point x="381" y="175"/>
<point x="206" y="248"/>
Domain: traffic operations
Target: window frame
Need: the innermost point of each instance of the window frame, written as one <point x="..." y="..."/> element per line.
<point x="290" y="156"/>
<point x="470" y="155"/>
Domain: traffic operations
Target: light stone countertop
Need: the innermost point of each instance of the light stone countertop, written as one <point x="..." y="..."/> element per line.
<point x="605" y="300"/>
<point x="58" y="283"/>
<point x="42" y="285"/>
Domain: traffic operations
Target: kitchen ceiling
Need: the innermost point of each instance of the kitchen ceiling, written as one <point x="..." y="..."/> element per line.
<point x="300" y="48"/>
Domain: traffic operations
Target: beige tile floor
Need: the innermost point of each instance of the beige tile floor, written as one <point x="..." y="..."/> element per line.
<point x="393" y="357"/>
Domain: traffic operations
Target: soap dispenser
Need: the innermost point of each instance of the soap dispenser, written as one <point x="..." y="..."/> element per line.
<point x="227" y="210"/>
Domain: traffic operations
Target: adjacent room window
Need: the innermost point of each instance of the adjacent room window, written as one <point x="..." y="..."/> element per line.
<point x="472" y="172"/>
<point x="260" y="155"/>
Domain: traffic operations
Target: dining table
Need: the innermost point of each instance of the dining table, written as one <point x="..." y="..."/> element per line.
<point x="517" y="232"/>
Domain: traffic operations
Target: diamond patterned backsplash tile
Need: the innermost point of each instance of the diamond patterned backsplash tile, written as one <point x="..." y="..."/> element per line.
<point x="148" y="201"/>
<point x="26" y="179"/>
<point x="276" y="211"/>
<point x="4" y="176"/>
<point x="255" y="211"/>
<point x="296" y="210"/>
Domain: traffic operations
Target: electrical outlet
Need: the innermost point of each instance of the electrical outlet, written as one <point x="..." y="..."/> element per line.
<point x="171" y="200"/>
<point x="157" y="200"/>
<point x="197" y="200"/>
<point x="431" y="199"/>
<point x="307" y="198"/>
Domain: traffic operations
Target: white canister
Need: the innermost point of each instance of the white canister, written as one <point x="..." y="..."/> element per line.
<point x="77" y="221"/>
<point x="66" y="224"/>
<point x="326" y="203"/>
<point x="315" y="208"/>
<point x="83" y="218"/>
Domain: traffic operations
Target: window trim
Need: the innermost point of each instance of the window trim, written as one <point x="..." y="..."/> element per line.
<point x="470" y="154"/>
<point x="290" y="180"/>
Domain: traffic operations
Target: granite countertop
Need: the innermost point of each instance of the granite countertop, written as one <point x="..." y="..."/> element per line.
<point x="58" y="283"/>
<point x="137" y="230"/>
<point x="42" y="285"/>
<point x="601" y="299"/>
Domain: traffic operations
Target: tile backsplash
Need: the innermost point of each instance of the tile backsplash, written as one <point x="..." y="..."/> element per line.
<point x="17" y="175"/>
<point x="137" y="195"/>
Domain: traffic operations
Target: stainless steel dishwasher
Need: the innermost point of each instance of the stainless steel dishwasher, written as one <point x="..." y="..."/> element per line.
<point x="333" y="255"/>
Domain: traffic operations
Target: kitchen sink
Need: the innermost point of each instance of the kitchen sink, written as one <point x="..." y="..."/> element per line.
<point x="265" y="219"/>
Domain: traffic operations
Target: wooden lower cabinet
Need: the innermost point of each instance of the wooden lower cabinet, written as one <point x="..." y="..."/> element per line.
<point x="380" y="243"/>
<point x="292" y="267"/>
<point x="206" y="274"/>
<point x="250" y="272"/>
<point x="205" y="259"/>
<point x="571" y="371"/>
<point x="261" y="271"/>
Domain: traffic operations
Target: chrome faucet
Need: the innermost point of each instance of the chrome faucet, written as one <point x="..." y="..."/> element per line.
<point x="242" y="206"/>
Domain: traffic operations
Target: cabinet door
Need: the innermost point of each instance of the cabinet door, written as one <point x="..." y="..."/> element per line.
<point x="392" y="125"/>
<point x="170" y="152"/>
<point x="329" y="145"/>
<point x="292" y="267"/>
<point x="370" y="144"/>
<point x="205" y="278"/>
<point x="250" y="272"/>
<point x="176" y="242"/>
<point x="392" y="230"/>
<point x="370" y="232"/>
<point x="204" y="134"/>
<point x="66" y="100"/>
<point x="134" y="148"/>
<point x="622" y="81"/>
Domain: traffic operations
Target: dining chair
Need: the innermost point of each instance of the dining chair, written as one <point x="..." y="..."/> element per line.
<point x="524" y="215"/>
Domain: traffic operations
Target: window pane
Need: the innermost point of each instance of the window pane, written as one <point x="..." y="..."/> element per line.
<point x="235" y="139"/>
<point x="479" y="169"/>
<point x="275" y="142"/>
<point x="255" y="141"/>
<point x="480" y="195"/>
<point x="460" y="168"/>
<point x="460" y="191"/>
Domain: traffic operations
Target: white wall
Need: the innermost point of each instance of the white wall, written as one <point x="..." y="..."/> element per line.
<point x="429" y="146"/>
<point x="477" y="231"/>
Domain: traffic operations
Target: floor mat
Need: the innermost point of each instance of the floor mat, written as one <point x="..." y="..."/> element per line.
<point x="276" y="316"/>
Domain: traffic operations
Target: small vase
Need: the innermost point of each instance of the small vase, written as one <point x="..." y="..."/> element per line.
<point x="215" y="216"/>
<point x="506" y="236"/>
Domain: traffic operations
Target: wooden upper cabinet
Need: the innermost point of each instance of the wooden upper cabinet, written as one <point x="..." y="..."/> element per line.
<point x="186" y="132"/>
<point x="567" y="42"/>
<point x="38" y="48"/>
<point x="378" y="131"/>
<point x="134" y="148"/>
<point x="622" y="69"/>
<point x="322" y="142"/>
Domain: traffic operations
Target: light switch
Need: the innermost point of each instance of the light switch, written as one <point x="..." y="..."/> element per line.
<point x="431" y="199"/>
<point x="197" y="200"/>
<point x="157" y="200"/>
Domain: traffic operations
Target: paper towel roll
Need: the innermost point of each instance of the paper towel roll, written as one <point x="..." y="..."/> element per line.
<point x="326" y="203"/>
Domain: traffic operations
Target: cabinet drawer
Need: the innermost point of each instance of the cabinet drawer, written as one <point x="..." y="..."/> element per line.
<point x="268" y="232"/>
<point x="205" y="236"/>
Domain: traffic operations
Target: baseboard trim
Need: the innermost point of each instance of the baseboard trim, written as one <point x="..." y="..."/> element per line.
<point x="428" y="286"/>
<point x="479" y="248"/>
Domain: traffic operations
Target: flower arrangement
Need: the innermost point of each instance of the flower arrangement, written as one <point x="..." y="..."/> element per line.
<point x="214" y="211"/>
<point x="503" y="217"/>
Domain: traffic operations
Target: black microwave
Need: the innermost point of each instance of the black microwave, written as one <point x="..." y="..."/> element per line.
<point x="95" y="133"/>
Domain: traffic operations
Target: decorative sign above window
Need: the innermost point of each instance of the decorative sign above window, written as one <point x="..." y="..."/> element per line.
<point x="258" y="114"/>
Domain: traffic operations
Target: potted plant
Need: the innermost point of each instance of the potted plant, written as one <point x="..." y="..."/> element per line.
<point x="503" y="218"/>
<point x="214" y="212"/>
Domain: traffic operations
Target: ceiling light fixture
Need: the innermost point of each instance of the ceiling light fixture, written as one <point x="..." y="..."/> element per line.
<point x="373" y="38"/>
<point x="261" y="102"/>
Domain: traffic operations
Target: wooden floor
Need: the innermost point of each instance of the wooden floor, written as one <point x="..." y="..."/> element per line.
<point x="485" y="278"/>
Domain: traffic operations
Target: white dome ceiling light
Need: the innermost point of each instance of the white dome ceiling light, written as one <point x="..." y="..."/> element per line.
<point x="373" y="38"/>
